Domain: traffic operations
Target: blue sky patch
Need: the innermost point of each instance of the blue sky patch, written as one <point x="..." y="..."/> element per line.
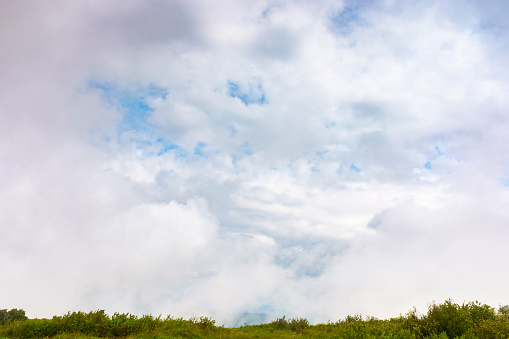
<point x="245" y="149"/>
<point x="355" y="168"/>
<point x="252" y="93"/>
<point x="169" y="147"/>
<point x="428" y="165"/>
<point x="345" y="19"/>
<point x="132" y="103"/>
<point x="198" y="150"/>
<point x="136" y="111"/>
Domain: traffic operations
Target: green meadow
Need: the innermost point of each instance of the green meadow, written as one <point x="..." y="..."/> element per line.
<point x="445" y="320"/>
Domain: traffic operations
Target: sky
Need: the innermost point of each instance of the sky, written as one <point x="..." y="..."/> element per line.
<point x="312" y="159"/>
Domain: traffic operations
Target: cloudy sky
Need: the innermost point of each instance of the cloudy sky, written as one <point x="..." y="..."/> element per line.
<point x="299" y="158"/>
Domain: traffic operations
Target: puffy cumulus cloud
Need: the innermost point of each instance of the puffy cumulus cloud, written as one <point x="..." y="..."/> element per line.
<point x="283" y="157"/>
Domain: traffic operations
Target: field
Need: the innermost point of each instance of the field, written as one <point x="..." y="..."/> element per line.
<point x="446" y="320"/>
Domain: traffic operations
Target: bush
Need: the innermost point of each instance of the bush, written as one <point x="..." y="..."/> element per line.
<point x="12" y="315"/>
<point x="353" y="318"/>
<point x="298" y="324"/>
<point x="447" y="317"/>
<point x="493" y="329"/>
<point x="33" y="328"/>
<point x="503" y="311"/>
<point x="477" y="313"/>
<point x="448" y="320"/>
<point x="280" y="323"/>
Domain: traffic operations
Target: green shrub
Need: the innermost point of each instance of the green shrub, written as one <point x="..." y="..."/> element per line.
<point x="295" y="324"/>
<point x="447" y="320"/>
<point x="353" y="318"/>
<point x="12" y="315"/>
<point x="32" y="328"/>
<point x="298" y="324"/>
<point x="280" y="323"/>
<point x="447" y="317"/>
<point x="503" y="311"/>
<point x="493" y="329"/>
<point x="478" y="313"/>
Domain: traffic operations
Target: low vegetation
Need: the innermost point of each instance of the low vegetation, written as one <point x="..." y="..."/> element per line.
<point x="442" y="321"/>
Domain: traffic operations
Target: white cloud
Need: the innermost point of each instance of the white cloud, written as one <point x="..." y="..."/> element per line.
<point x="369" y="178"/>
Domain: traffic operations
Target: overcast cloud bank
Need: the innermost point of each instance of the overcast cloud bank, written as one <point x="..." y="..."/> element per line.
<point x="277" y="157"/>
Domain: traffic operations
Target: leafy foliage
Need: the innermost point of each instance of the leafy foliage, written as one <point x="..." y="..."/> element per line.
<point x="442" y="321"/>
<point x="12" y="315"/>
<point x="295" y="325"/>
